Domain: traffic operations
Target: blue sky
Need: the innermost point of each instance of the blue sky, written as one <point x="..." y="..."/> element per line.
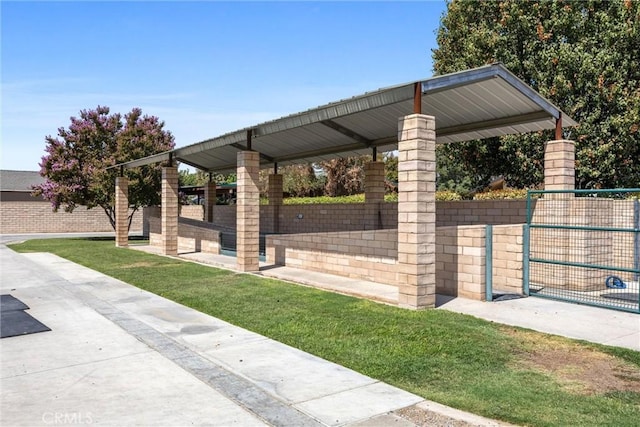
<point x="204" y="68"/>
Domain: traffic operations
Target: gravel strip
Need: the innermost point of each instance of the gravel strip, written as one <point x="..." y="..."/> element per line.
<point x="423" y="418"/>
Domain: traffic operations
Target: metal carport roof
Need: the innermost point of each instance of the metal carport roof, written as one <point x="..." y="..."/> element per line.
<point x="474" y="104"/>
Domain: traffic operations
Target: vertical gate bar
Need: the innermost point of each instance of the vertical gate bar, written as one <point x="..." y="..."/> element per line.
<point x="636" y="245"/>
<point x="525" y="259"/>
<point x="636" y="238"/>
<point x="488" y="266"/>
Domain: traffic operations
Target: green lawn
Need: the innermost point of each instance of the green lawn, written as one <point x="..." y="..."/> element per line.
<point x="493" y="370"/>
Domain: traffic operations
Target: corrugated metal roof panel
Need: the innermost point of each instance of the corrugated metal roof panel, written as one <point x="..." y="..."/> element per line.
<point x="474" y="104"/>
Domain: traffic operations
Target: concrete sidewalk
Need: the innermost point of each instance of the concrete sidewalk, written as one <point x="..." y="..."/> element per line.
<point x="117" y="355"/>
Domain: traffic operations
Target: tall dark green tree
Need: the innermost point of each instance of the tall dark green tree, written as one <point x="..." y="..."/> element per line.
<point x="584" y="56"/>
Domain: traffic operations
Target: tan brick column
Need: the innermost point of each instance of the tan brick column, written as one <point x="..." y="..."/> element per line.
<point x="559" y="174"/>
<point x="122" y="211"/>
<point x="373" y="193"/>
<point x="275" y="201"/>
<point x="416" y="211"/>
<point x="209" y="200"/>
<point x="573" y="245"/>
<point x="248" y="210"/>
<point x="169" y="211"/>
<point x="560" y="165"/>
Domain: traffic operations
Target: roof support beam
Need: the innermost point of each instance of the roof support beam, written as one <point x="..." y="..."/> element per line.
<point x="417" y="98"/>
<point x="489" y="124"/>
<point x="559" y="127"/>
<point x="192" y="164"/>
<point x="347" y="132"/>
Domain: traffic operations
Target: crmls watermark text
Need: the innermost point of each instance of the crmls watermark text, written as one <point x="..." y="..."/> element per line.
<point x="61" y="418"/>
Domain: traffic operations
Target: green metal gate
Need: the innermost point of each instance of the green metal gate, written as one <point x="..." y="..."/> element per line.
<point x="583" y="246"/>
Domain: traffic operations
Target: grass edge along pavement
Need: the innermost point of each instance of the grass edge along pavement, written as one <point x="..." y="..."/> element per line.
<point x="497" y="371"/>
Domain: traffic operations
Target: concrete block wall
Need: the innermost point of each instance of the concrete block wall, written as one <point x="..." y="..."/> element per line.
<point x="352" y="216"/>
<point x="623" y="243"/>
<point x="322" y="218"/>
<point x="147" y="213"/>
<point x="475" y="212"/>
<point x="461" y="261"/>
<point x="192" y="211"/>
<point x="368" y="255"/>
<point x="154" y="230"/>
<point x="193" y="235"/>
<point x="224" y="215"/>
<point x="590" y="246"/>
<point x="507" y="258"/>
<point x="315" y="218"/>
<point x="550" y="244"/>
<point x="372" y="255"/>
<point x="20" y="217"/>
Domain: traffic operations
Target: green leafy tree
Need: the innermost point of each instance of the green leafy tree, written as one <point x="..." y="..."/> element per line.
<point x="581" y="55"/>
<point x="192" y="179"/>
<point x="390" y="160"/>
<point x="301" y="181"/>
<point x="76" y="161"/>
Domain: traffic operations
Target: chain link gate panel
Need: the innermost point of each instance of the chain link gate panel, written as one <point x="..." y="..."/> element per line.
<point x="583" y="246"/>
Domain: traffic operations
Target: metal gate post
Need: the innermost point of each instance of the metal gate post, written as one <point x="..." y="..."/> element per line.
<point x="525" y="259"/>
<point x="488" y="264"/>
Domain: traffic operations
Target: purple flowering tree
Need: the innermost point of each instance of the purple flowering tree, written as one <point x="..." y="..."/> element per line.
<point x="76" y="160"/>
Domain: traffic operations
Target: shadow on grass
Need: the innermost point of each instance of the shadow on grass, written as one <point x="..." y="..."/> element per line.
<point x="109" y="238"/>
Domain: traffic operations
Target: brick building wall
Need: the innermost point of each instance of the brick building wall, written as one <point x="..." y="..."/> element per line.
<point x="17" y="217"/>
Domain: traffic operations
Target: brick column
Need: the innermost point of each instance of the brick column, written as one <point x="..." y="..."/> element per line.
<point x="248" y="210"/>
<point x="122" y="211"/>
<point x="169" y="211"/>
<point x="573" y="245"/>
<point x="416" y="211"/>
<point x="373" y="193"/>
<point x="560" y="165"/>
<point x="209" y="200"/>
<point x="559" y="174"/>
<point x="275" y="201"/>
